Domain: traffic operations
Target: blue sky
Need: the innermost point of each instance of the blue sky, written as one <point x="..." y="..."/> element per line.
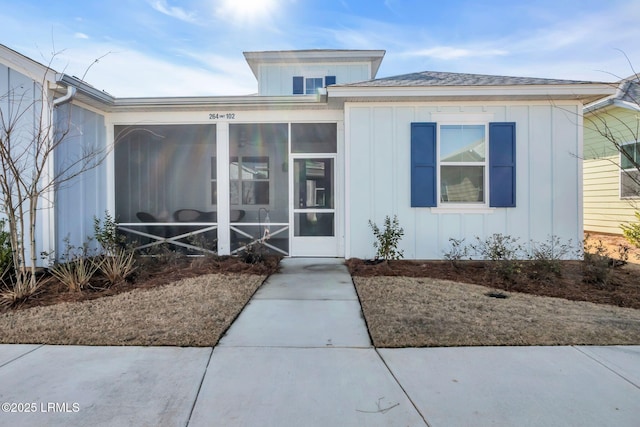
<point x="194" y="47"/>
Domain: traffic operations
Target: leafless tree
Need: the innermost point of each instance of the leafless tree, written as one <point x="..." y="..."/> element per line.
<point x="30" y="134"/>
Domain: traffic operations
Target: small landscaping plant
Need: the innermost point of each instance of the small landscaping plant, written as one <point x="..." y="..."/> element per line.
<point x="505" y="253"/>
<point x="632" y="231"/>
<point x="387" y="239"/>
<point x="457" y="252"/>
<point x="77" y="267"/>
<point x="546" y="257"/>
<point x="598" y="264"/>
<point x="117" y="262"/>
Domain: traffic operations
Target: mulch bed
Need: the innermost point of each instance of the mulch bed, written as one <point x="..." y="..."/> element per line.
<point x="622" y="288"/>
<point x="151" y="272"/>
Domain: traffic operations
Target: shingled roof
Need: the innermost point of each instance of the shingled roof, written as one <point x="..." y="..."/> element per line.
<point x="436" y="78"/>
<point x="629" y="91"/>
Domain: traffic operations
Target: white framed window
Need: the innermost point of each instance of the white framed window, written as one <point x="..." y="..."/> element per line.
<point x="462" y="164"/>
<point x="249" y="180"/>
<point x="629" y="174"/>
<point x="309" y="85"/>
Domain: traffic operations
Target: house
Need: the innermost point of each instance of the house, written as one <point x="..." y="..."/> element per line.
<point x="323" y="148"/>
<point x="611" y="190"/>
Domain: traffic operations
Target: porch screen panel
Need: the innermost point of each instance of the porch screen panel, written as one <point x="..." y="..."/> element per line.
<point x="258" y="182"/>
<point x="161" y="169"/>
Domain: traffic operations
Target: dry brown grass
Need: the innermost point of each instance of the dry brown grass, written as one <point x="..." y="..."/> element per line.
<point x="190" y="312"/>
<point x="421" y="312"/>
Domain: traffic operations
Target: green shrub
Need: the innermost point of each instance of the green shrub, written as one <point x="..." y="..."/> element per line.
<point x="632" y="231"/>
<point x="546" y="256"/>
<point x="505" y="253"/>
<point x="597" y="265"/>
<point x="387" y="240"/>
<point x="106" y="233"/>
<point x="6" y="259"/>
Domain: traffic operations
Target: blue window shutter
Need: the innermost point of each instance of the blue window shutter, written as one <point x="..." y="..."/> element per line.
<point x="502" y="165"/>
<point x="423" y="165"/>
<point x="298" y="85"/>
<point x="329" y="80"/>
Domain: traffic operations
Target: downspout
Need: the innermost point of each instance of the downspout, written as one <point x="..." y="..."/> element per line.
<point x="71" y="92"/>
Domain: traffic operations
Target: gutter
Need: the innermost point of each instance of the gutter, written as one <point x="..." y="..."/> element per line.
<point x="67" y="97"/>
<point x="85" y="89"/>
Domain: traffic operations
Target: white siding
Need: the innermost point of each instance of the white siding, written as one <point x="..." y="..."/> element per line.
<point x="278" y="79"/>
<point x="21" y="104"/>
<point x="81" y="199"/>
<point x="379" y="179"/>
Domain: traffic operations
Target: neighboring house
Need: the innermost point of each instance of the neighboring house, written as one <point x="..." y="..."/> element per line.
<point x="611" y="190"/>
<point x="323" y="148"/>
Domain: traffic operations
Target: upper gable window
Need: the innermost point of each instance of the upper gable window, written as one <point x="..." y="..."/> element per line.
<point x="310" y="85"/>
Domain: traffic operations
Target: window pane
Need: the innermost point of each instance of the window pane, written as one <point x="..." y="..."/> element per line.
<point x="462" y="184"/>
<point x="313" y="84"/>
<point x="313" y="137"/>
<point x="255" y="168"/>
<point x="255" y="192"/>
<point x="258" y="154"/>
<point x="160" y="169"/>
<point x="313" y="224"/>
<point x="313" y="183"/>
<point x="630" y="183"/>
<point x="633" y="150"/>
<point x="462" y="143"/>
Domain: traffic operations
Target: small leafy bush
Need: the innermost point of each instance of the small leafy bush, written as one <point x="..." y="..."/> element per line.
<point x="106" y="233"/>
<point x="457" y="251"/>
<point x="597" y="265"/>
<point x="504" y="251"/>
<point x="545" y="257"/>
<point x="632" y="231"/>
<point x="254" y="253"/>
<point x="387" y="240"/>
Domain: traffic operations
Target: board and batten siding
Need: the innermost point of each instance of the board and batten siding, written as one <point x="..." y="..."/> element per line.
<point x="21" y="100"/>
<point x="84" y="197"/>
<point x="277" y="79"/>
<point x="604" y="210"/>
<point x="378" y="181"/>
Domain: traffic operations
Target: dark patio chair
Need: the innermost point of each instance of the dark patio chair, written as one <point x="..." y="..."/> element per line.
<point x="156" y="230"/>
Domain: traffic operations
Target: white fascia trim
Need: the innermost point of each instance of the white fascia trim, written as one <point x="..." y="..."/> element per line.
<point x="27" y="66"/>
<point x="228" y="101"/>
<point x="541" y="91"/>
<point x="463" y="210"/>
<point x="627" y="105"/>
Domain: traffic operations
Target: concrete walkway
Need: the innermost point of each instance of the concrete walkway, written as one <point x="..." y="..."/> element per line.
<point x="300" y="355"/>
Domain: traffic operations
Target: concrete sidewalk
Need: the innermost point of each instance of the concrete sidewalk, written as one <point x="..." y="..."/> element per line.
<point x="300" y="355"/>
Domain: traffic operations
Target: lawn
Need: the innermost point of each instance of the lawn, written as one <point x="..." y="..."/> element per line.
<point x="193" y="301"/>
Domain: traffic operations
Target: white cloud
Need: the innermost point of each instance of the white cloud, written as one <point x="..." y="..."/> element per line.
<point x="81" y="36"/>
<point x="173" y="11"/>
<point x="128" y="73"/>
<point x="449" y="52"/>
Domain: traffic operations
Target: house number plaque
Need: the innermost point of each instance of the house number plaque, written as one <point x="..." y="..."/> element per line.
<point x="222" y="116"/>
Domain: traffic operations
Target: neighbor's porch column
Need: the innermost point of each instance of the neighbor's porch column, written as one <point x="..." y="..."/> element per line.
<point x="222" y="163"/>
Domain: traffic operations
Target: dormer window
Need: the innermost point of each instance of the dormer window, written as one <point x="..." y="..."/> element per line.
<point x="310" y="85"/>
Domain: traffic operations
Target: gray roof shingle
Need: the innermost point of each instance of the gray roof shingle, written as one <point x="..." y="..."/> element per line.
<point x="435" y="78"/>
<point x="630" y="91"/>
